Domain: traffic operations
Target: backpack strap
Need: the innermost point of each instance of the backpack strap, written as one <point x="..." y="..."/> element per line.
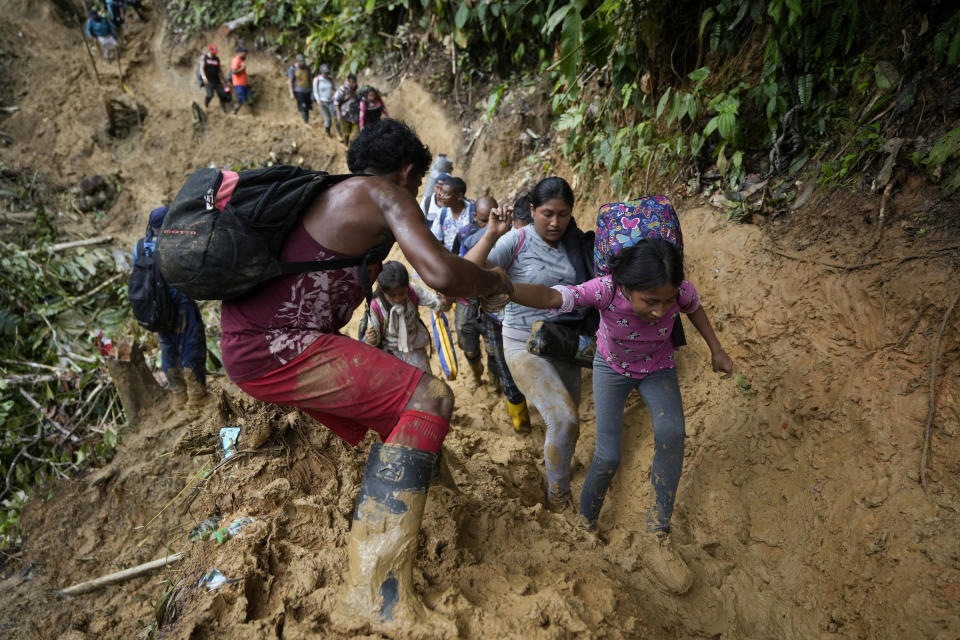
<point x="373" y="256"/>
<point x="516" y="251"/>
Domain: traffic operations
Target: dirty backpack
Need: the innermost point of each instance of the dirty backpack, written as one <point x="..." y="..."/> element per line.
<point x="623" y="224"/>
<point x="223" y="234"/>
<point x="153" y="306"/>
<point x="350" y="110"/>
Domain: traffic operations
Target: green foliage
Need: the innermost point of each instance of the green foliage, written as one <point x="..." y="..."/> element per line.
<point x="946" y="43"/>
<point x="51" y="303"/>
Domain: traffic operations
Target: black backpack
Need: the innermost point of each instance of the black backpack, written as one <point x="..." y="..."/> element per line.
<point x="150" y="299"/>
<point x="351" y="110"/>
<point x="220" y="239"/>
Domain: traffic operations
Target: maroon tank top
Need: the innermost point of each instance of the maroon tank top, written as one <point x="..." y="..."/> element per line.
<point x="277" y="321"/>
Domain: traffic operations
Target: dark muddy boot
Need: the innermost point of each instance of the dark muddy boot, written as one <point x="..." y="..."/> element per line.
<point x="196" y="394"/>
<point x="175" y="378"/>
<point x="560" y="503"/>
<point x="666" y="564"/>
<point x="476" y="369"/>
<point x="379" y="592"/>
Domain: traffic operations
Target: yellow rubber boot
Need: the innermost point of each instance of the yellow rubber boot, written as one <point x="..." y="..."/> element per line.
<point x="520" y="416"/>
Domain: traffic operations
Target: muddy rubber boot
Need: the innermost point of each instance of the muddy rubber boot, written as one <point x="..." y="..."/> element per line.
<point x="667" y="565"/>
<point x="520" y="416"/>
<point x="476" y="369"/>
<point x="175" y="378"/>
<point x="379" y="592"/>
<point x="196" y="394"/>
<point x="560" y="503"/>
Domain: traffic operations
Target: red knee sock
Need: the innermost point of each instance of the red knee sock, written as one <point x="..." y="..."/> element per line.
<point x="419" y="430"/>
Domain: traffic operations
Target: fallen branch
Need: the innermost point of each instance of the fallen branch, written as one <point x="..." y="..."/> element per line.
<point x="54" y="248"/>
<point x="883" y="209"/>
<point x="120" y="576"/>
<point x="474" y="139"/>
<point x="863" y="265"/>
<point x="97" y="289"/>
<point x="28" y="379"/>
<point x="933" y="379"/>
<point x="233" y="25"/>
<point x="36" y="405"/>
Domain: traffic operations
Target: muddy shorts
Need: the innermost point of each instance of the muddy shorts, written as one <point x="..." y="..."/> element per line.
<point x="348" y="386"/>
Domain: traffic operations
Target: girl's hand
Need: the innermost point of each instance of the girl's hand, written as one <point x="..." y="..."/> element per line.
<point x="445" y="302"/>
<point x="722" y="362"/>
<point x="501" y="221"/>
<point x="370" y="337"/>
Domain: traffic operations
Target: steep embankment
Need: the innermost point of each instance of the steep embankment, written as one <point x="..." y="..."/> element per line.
<point x="799" y="510"/>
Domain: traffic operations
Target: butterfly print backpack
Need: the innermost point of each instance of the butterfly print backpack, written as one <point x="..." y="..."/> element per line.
<point x="622" y="224"/>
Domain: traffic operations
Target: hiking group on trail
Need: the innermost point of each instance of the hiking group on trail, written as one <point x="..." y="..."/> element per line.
<point x="548" y="299"/>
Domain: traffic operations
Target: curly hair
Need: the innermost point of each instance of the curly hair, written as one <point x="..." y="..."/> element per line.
<point x="385" y="147"/>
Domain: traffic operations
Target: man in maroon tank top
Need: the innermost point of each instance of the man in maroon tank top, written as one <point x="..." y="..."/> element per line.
<point x="281" y="344"/>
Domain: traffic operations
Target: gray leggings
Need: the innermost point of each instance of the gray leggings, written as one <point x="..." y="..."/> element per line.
<point x="554" y="389"/>
<point x="661" y="393"/>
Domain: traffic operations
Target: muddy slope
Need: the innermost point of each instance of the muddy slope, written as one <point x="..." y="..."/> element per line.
<point x="799" y="511"/>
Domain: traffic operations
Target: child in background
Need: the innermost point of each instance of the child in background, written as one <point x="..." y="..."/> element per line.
<point x="638" y="303"/>
<point x="393" y="322"/>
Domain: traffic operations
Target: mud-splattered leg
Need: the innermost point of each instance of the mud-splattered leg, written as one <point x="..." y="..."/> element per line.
<point x="554" y="389"/>
<point x="661" y="393"/>
<point x="610" y="391"/>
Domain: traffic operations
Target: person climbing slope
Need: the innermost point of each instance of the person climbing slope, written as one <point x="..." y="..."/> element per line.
<point x="103" y="30"/>
<point x="491" y="324"/>
<point x="212" y="78"/>
<point x="183" y="350"/>
<point x="281" y="344"/>
<point x="431" y="204"/>
<point x="372" y="108"/>
<point x="346" y="108"/>
<point x="638" y="303"/>
<point x="238" y="77"/>
<point x="300" y="86"/>
<point x="456" y="215"/>
<point x="550" y="253"/>
<point x="323" y="94"/>
<point x="393" y="321"/>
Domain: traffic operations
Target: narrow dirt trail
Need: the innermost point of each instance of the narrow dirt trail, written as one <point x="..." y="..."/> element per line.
<point x="799" y="509"/>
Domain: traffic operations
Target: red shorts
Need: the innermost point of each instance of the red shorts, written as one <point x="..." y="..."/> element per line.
<point x="345" y="384"/>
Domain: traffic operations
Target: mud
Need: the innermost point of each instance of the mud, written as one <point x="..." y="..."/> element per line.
<point x="799" y="511"/>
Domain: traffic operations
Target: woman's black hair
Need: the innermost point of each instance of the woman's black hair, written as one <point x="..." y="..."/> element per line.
<point x="647" y="265"/>
<point x="385" y="147"/>
<point x="521" y="210"/>
<point x="550" y="188"/>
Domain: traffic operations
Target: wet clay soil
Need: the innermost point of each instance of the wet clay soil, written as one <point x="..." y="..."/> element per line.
<point x="799" y="510"/>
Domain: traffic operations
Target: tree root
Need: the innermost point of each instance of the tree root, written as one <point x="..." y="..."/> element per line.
<point x="933" y="379"/>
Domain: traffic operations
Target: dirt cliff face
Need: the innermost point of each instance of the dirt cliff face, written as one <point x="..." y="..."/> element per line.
<point x="799" y="511"/>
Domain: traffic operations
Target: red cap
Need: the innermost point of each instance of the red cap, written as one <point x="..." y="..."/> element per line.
<point x="213" y="48"/>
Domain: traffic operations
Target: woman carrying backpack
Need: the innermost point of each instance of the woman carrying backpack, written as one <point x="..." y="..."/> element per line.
<point x="372" y="108"/>
<point x="638" y="304"/>
<point x="549" y="252"/>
